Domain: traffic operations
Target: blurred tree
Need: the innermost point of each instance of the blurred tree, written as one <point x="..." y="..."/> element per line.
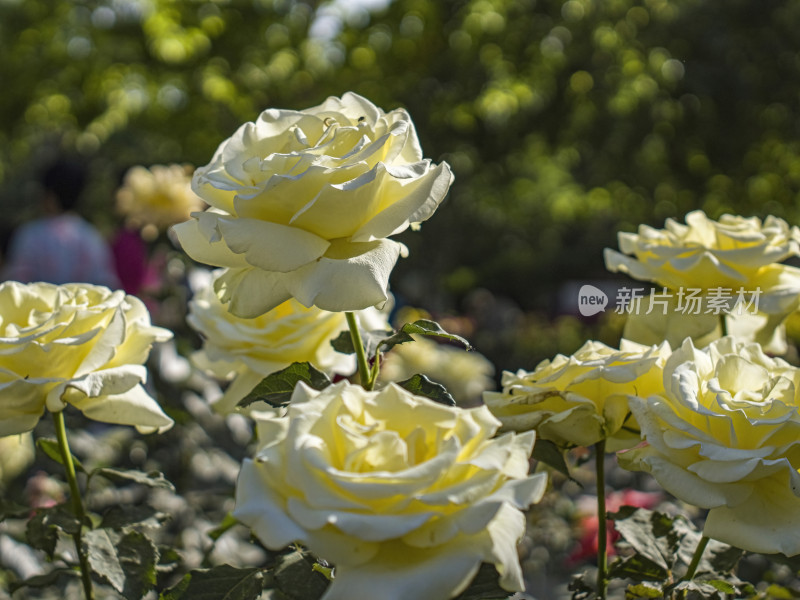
<point x="565" y="121"/>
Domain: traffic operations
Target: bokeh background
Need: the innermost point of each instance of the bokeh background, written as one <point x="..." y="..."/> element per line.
<point x="564" y="121"/>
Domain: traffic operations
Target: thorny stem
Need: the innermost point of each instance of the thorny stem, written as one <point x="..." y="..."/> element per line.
<point x="364" y="372"/>
<point x="602" y="539"/>
<point x="77" y="504"/>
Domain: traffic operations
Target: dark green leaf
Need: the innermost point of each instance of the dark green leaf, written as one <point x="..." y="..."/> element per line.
<point x="422" y="386"/>
<point x="296" y="577"/>
<point x="343" y="343"/>
<point x="51" y="449"/>
<point x="276" y="389"/>
<point x="126" y="562"/>
<point x="220" y="583"/>
<point x="485" y="586"/>
<point x="56" y="577"/>
<point x="126" y="516"/>
<point x="169" y="559"/>
<point x="43" y="529"/>
<point x="10" y="509"/>
<point x="422" y="327"/>
<point x="227" y="522"/>
<point x="154" y="479"/>
<point x="638" y="568"/>
<point x="648" y="533"/>
<point x="551" y="455"/>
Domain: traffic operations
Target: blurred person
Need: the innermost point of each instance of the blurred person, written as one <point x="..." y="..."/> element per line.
<point x="61" y="246"/>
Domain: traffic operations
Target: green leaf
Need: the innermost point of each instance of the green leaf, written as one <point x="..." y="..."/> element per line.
<point x="643" y="590"/>
<point x="638" y="568"/>
<point x="126" y="562"/>
<point x="296" y="577"/>
<point x="422" y="327"/>
<point x="124" y="517"/>
<point x="153" y="479"/>
<point x="485" y="586"/>
<point x="43" y="529"/>
<point x="227" y="522"/>
<point x="276" y="389"/>
<point x="550" y="454"/>
<point x="55" y="577"/>
<point x="219" y="583"/>
<point x="10" y="509"/>
<point x="169" y="559"/>
<point x="343" y="343"/>
<point x="649" y="534"/>
<point x="581" y="589"/>
<point x="51" y="449"/>
<point x="422" y="386"/>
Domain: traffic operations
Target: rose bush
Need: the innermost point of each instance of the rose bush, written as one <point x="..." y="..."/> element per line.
<point x="581" y="399"/>
<point x="732" y="254"/>
<point x="155" y="198"/>
<point x="404" y="495"/>
<point x="75" y="344"/>
<point x="302" y="204"/>
<point x="247" y="350"/>
<point x="725" y="435"/>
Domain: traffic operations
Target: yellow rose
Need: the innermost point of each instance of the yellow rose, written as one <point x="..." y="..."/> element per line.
<point x="75" y="344"/>
<point x="406" y="496"/>
<point x="714" y="257"/>
<point x="155" y="198"/>
<point x="247" y="350"/>
<point x="466" y="375"/>
<point x="581" y="399"/>
<point x="725" y="435"/>
<point x="16" y="453"/>
<point x="302" y="204"/>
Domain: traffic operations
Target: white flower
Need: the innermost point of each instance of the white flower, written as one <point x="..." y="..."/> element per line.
<point x="404" y="495"/>
<point x="247" y="350"/>
<point x="75" y="344"/>
<point x="725" y="435"/>
<point x="302" y="204"/>
<point x="581" y="399"/>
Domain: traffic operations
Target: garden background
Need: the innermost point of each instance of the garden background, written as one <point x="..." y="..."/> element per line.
<point x="564" y="122"/>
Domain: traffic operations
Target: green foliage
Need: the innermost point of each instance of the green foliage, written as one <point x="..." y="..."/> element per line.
<point x="422" y="386"/>
<point x="153" y="479"/>
<point x="125" y="561"/>
<point x="276" y="389"/>
<point x="421" y="327"/>
<point x="219" y="583"/>
<point x="50" y="448"/>
<point x="44" y="527"/>
<point x="550" y="454"/>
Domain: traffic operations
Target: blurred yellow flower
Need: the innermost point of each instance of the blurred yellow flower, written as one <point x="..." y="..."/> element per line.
<point x="732" y="254"/>
<point x="581" y="399"/>
<point x="303" y="204"/>
<point x="16" y="453"/>
<point x="75" y="344"/>
<point x="153" y="199"/>
<point x="404" y="495"/>
<point x="247" y="350"/>
<point x="725" y="435"/>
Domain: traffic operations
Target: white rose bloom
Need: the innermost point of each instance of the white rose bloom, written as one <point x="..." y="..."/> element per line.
<point x="247" y="350"/>
<point x="302" y="204"/>
<point x="404" y="495"/>
<point x="75" y="344"/>
<point x="725" y="435"/>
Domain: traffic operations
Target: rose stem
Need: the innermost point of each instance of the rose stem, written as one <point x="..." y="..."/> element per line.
<point x="367" y="381"/>
<point x="724" y="324"/>
<point x="698" y="554"/>
<point x="602" y="540"/>
<point x="75" y="496"/>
